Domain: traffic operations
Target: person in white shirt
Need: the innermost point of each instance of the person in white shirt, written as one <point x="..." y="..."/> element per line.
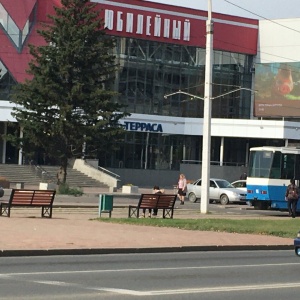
<point x="181" y="188"/>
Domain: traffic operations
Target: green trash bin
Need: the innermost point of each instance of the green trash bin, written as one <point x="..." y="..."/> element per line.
<point x="106" y="203"/>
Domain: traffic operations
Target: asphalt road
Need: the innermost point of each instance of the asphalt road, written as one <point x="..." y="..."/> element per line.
<point x="195" y="275"/>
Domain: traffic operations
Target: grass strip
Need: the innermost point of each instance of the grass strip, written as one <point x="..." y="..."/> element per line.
<point x="281" y="228"/>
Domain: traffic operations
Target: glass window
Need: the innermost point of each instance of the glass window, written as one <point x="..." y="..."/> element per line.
<point x="276" y="166"/>
<point x="150" y="70"/>
<point x="260" y="163"/>
<point x="6" y="83"/>
<point x="28" y="25"/>
<point x="223" y="184"/>
<point x="25" y="31"/>
<point x="3" y="17"/>
<point x="288" y="166"/>
<point x="212" y="184"/>
<point x="13" y="30"/>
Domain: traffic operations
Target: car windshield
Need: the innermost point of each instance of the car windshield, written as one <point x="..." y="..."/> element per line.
<point x="224" y="184"/>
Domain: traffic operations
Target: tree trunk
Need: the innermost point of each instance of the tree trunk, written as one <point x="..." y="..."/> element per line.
<point x="62" y="172"/>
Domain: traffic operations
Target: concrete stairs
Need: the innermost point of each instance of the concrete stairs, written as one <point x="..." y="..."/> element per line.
<point x="29" y="175"/>
<point x="16" y="173"/>
<point x="74" y="177"/>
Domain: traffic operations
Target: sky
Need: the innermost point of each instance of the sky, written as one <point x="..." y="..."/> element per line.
<point x="254" y="9"/>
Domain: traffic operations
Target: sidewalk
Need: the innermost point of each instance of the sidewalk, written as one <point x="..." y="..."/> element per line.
<point x="72" y="231"/>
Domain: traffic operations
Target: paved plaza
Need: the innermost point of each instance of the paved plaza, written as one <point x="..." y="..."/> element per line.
<point x="74" y="230"/>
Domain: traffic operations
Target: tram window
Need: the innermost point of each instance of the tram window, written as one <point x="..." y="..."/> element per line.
<point x="288" y="166"/>
<point x="260" y="164"/>
<point x="275" y="169"/>
<point x="297" y="168"/>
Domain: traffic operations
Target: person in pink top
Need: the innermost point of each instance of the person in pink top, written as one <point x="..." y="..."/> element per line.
<point x="181" y="188"/>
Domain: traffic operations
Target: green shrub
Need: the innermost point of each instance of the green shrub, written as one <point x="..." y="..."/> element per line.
<point x="64" y="189"/>
<point x="4" y="182"/>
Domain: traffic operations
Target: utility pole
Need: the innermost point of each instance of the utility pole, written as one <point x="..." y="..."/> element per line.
<point x="206" y="137"/>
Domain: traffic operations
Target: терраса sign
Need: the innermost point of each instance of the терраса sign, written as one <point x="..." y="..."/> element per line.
<point x="146" y="127"/>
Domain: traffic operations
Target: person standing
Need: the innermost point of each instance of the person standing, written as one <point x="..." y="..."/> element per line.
<point x="291" y="196"/>
<point x="243" y="176"/>
<point x="181" y="188"/>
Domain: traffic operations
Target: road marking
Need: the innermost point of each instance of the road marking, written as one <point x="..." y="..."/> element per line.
<point x="177" y="291"/>
<point x="180" y="291"/>
<point x="150" y="269"/>
<point x="201" y="290"/>
<point x="58" y="283"/>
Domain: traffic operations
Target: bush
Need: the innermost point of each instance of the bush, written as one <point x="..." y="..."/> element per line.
<point x="4" y="182"/>
<point x="64" y="189"/>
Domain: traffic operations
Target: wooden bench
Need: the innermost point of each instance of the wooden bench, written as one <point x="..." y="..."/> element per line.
<point x="154" y="201"/>
<point x="29" y="198"/>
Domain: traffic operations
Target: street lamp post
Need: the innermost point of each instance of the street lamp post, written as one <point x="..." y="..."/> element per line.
<point x="206" y="140"/>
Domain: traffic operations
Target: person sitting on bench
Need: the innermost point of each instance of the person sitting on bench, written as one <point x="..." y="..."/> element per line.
<point x="157" y="190"/>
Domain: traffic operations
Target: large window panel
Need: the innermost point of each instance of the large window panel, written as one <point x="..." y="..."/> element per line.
<point x="6" y="83"/>
<point x="28" y="26"/>
<point x="150" y="70"/>
<point x="3" y="17"/>
<point x="13" y="30"/>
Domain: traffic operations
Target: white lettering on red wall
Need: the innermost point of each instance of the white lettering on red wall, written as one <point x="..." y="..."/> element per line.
<point x="177" y="25"/>
<point x="147" y="25"/>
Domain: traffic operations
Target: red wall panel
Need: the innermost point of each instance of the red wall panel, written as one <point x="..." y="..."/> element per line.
<point x="136" y="19"/>
<point x="231" y="33"/>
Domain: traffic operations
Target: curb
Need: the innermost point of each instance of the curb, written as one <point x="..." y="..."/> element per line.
<point x="85" y="206"/>
<point x="95" y="251"/>
<point x="96" y="195"/>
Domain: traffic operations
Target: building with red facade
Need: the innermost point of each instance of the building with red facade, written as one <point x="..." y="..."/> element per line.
<point x="160" y="49"/>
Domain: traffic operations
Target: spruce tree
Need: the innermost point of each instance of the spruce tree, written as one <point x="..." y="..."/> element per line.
<point x="69" y="100"/>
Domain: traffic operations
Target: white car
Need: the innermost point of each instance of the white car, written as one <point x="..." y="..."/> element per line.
<point x="220" y="190"/>
<point x="241" y="185"/>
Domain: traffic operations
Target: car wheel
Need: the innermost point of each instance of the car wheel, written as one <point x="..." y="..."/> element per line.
<point x="224" y="200"/>
<point x="192" y="197"/>
<point x="297" y="251"/>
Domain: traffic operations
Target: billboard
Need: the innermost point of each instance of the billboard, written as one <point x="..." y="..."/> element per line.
<point x="278" y="90"/>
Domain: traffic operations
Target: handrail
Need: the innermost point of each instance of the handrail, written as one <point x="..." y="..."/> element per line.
<point x="108" y="172"/>
<point x="43" y="174"/>
<point x="104" y="170"/>
<point x="191" y="161"/>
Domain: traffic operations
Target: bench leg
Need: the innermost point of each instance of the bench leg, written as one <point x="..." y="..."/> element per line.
<point x="133" y="211"/>
<point x="46" y="212"/>
<point x="168" y="212"/>
<point x="4" y="210"/>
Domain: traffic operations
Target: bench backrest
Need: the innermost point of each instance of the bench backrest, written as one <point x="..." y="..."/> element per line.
<point x="157" y="201"/>
<point x="166" y="201"/>
<point x="31" y="197"/>
<point x="148" y="200"/>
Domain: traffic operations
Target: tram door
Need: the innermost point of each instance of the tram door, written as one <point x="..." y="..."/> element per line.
<point x="297" y="167"/>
